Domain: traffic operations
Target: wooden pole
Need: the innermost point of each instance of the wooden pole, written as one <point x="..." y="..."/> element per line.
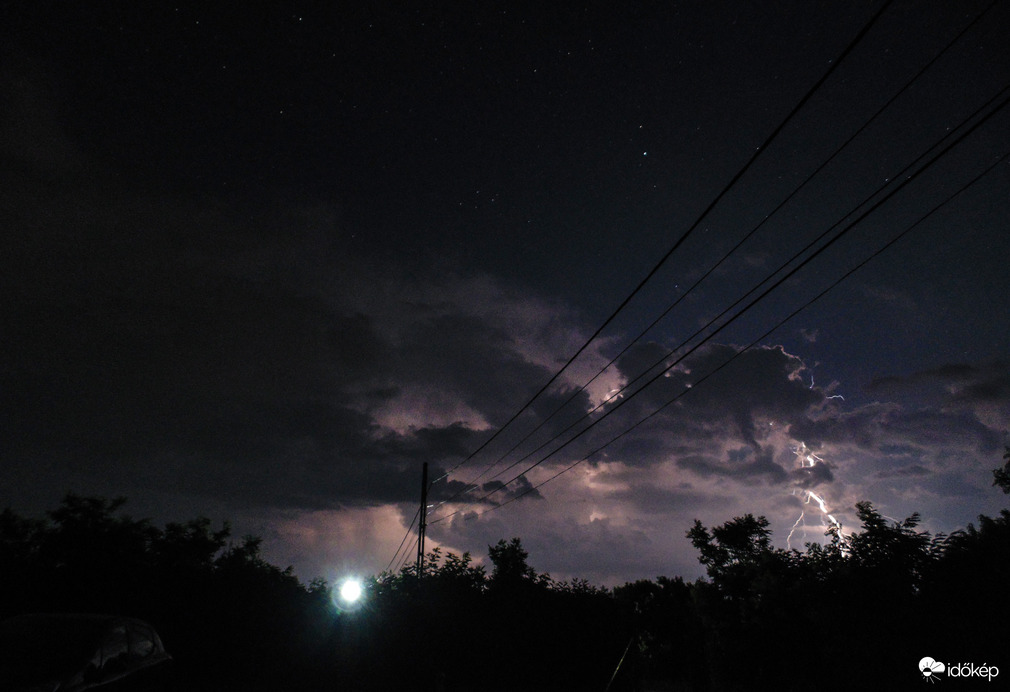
<point x="424" y="521"/>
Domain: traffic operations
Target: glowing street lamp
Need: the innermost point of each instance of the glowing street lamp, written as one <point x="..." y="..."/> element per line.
<point x="350" y="591"/>
<point x="348" y="596"/>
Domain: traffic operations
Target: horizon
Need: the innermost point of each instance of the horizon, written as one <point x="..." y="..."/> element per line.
<point x="262" y="266"/>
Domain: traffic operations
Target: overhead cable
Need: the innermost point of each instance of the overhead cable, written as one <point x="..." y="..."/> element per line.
<point x="896" y="187"/>
<point x="756" y="341"/>
<point x="410" y="528"/>
<point x="470" y="485"/>
<point x="892" y="183"/>
<point x="740" y="173"/>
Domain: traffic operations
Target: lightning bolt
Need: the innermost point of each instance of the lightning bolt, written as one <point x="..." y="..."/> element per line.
<point x="807" y="459"/>
<point x="789" y="538"/>
<point x="833" y="396"/>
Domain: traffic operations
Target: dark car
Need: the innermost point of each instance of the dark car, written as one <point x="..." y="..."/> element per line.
<point x="76" y="652"/>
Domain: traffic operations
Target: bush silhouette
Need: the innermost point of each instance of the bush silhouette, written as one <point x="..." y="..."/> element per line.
<point x="764" y="617"/>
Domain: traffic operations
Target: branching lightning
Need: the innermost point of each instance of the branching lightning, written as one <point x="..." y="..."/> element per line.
<point x="799" y="519"/>
<point x="808" y="459"/>
<point x="833" y="396"/>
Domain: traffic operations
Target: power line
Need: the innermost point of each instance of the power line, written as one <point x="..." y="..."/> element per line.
<point x="740" y="173"/>
<point x="404" y="540"/>
<point x="763" y="294"/>
<point x="753" y="343"/>
<point x="406" y="554"/>
<point x="897" y="187"/>
<point x="471" y="484"/>
<point x="891" y="184"/>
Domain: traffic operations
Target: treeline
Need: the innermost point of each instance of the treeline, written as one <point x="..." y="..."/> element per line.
<point x="233" y="621"/>
<point x="227" y="615"/>
<point x="860" y="611"/>
<point x="464" y="628"/>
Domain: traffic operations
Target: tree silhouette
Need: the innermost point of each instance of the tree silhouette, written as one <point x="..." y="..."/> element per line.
<point x="225" y="614"/>
<point x="892" y="555"/>
<point x="522" y="629"/>
<point x="1001" y="476"/>
<point x="511" y="569"/>
<point x="763" y="618"/>
<point x="863" y="588"/>
<point x="734" y="548"/>
<point x="966" y="594"/>
<point x="670" y="634"/>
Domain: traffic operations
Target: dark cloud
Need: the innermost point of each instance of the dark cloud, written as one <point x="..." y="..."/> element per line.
<point x="913" y="470"/>
<point x="496" y="492"/>
<point x="884" y="383"/>
<point x="761" y="387"/>
<point x="950" y="371"/>
<point x="281" y="281"/>
<point x="447" y="443"/>
<point x="160" y="344"/>
<point x="603" y="549"/>
<point x="962" y="382"/>
<point x="808" y="477"/>
<point x="875" y="425"/>
<point x="743" y="465"/>
<point x="654" y="500"/>
<point x="473" y="360"/>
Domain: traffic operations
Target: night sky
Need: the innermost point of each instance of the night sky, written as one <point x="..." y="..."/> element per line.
<point x="260" y="263"/>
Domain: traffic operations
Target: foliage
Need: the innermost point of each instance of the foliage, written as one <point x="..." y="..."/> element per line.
<point x="219" y="606"/>
<point x="865" y="592"/>
<point x="566" y="635"/>
<point x="511" y="569"/>
<point x="1001" y="476"/>
<point x="670" y="634"/>
<point x="765" y="618"/>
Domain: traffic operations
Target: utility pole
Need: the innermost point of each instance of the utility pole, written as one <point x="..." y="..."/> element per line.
<point x="424" y="521"/>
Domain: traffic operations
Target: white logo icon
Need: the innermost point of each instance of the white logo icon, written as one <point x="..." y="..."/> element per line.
<point x="930" y="669"/>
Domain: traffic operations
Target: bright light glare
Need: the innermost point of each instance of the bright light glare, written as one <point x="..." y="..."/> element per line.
<point x="350" y="591"/>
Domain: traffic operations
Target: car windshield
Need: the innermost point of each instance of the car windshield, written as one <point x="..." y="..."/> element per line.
<point x="39" y="648"/>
